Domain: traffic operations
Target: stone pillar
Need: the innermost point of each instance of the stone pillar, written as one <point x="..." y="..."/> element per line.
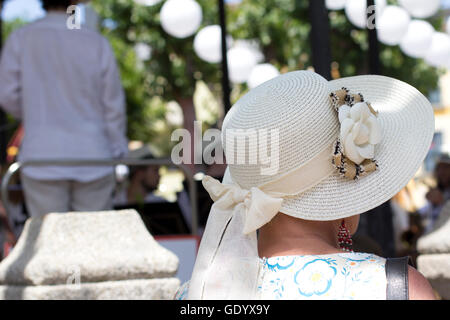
<point x="88" y="255"/>
<point x="434" y="259"/>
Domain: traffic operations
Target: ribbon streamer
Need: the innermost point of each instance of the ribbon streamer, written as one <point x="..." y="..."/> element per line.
<point x="228" y="264"/>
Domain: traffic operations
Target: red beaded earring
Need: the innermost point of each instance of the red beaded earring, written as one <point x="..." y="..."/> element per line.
<point x="344" y="238"/>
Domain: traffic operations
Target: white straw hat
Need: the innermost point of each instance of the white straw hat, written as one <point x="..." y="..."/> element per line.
<point x="297" y="104"/>
<point x="307" y="141"/>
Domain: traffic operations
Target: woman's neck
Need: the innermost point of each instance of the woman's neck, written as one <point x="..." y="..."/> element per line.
<point x="285" y="235"/>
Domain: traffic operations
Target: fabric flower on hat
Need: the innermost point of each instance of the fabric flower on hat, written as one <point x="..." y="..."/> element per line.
<point x="354" y="150"/>
<point x="360" y="131"/>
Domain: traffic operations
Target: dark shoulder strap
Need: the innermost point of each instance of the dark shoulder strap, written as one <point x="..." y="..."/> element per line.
<point x="397" y="278"/>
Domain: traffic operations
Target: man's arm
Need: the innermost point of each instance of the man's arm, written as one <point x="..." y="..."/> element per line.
<point x="113" y="99"/>
<point x="10" y="88"/>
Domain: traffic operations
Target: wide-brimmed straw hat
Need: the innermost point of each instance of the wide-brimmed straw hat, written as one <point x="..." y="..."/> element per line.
<point x="298" y="105"/>
<point x="312" y="149"/>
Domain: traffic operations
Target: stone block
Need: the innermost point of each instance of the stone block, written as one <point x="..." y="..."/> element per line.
<point x="150" y="289"/>
<point x="94" y="246"/>
<point x="436" y="268"/>
<point x="437" y="241"/>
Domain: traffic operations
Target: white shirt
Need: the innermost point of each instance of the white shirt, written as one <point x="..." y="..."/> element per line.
<point x="65" y="87"/>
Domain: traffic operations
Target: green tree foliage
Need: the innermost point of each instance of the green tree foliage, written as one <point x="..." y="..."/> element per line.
<point x="282" y="29"/>
<point x="281" y="26"/>
<point x="349" y="47"/>
<point x="10" y="26"/>
<point x="174" y="67"/>
<point x="171" y="73"/>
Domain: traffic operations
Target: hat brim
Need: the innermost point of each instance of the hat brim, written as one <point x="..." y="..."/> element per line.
<point x="407" y="121"/>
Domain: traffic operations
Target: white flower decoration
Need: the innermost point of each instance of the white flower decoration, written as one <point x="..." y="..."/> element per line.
<point x="360" y="132"/>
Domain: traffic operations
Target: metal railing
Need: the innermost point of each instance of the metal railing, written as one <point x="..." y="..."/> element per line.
<point x="14" y="168"/>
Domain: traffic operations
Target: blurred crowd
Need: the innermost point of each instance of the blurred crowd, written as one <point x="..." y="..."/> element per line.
<point x="398" y="224"/>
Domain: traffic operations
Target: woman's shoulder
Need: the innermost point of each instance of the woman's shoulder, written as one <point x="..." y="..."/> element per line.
<point x="418" y="286"/>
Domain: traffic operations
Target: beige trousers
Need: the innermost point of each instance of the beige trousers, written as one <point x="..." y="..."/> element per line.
<point x="49" y="196"/>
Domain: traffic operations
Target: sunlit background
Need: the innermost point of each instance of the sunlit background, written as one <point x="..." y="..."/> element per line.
<point x="272" y="37"/>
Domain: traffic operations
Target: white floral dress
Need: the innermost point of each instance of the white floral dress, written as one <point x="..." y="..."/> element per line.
<point x="332" y="277"/>
<point x="339" y="276"/>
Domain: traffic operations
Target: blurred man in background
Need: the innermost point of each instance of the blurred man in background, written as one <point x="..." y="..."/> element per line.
<point x="63" y="84"/>
<point x="438" y="196"/>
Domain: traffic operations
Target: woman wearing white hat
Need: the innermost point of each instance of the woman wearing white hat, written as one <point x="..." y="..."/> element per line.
<point x="344" y="147"/>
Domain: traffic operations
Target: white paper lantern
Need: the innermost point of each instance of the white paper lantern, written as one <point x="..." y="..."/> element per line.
<point x="393" y="25"/>
<point x="181" y="18"/>
<point x="438" y="53"/>
<point x="262" y="73"/>
<point x="208" y="44"/>
<point x="417" y="39"/>
<point x="335" y="4"/>
<point x="253" y="46"/>
<point x="143" y="51"/>
<point x="421" y="8"/>
<point x="356" y="11"/>
<point x="240" y="64"/>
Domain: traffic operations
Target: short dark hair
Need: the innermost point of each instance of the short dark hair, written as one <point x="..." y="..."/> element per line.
<point x="53" y="4"/>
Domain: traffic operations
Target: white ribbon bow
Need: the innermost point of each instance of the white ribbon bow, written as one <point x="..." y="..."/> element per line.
<point x="260" y="207"/>
<point x="228" y="263"/>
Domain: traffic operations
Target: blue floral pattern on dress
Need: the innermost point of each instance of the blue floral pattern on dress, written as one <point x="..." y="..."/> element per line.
<point x="334" y="276"/>
<point x="280" y="263"/>
<point x="339" y="276"/>
<point x="182" y="292"/>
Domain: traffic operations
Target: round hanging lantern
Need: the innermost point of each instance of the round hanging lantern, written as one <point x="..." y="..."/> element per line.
<point x="208" y="45"/>
<point x="421" y="8"/>
<point x="393" y="25"/>
<point x="143" y="51"/>
<point x="253" y="46"/>
<point x="417" y="39"/>
<point x="356" y="11"/>
<point x="181" y="18"/>
<point x="240" y="64"/>
<point x="335" y="4"/>
<point x="262" y="73"/>
<point x="438" y="53"/>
